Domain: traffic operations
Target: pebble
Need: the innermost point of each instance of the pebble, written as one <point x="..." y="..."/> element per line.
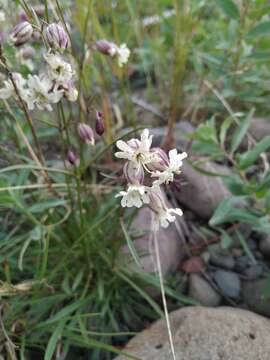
<point x="225" y="261"/>
<point x="193" y="265"/>
<point x="242" y="263"/>
<point x="228" y="282"/>
<point x="265" y="246"/>
<point x="202" y="291"/>
<point x="253" y="272"/>
<point x="253" y="295"/>
<point x="237" y="252"/>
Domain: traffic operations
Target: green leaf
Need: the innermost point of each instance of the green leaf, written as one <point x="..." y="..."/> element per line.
<point x="224" y="128"/>
<point x="241" y="131"/>
<point x="42" y="206"/>
<point x="130" y="244"/>
<point x="252" y="155"/>
<point x="53" y="340"/>
<point x="260" y="30"/>
<point x="245" y="247"/>
<point x="229" y="8"/>
<point x="226" y="240"/>
<point x="228" y="212"/>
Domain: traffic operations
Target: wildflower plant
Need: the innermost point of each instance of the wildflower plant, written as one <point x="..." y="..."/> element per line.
<point x="62" y="279"/>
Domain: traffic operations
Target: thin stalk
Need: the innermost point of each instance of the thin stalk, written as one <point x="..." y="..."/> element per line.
<point x="159" y="269"/>
<point x="64" y="150"/>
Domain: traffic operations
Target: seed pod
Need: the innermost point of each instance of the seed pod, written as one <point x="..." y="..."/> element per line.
<point x="86" y="134"/>
<point x="106" y="47"/>
<point x="56" y="37"/>
<point x="100" y="127"/>
<point x="72" y="158"/>
<point x="21" y="33"/>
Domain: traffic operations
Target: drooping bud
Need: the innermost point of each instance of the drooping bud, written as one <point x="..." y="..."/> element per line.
<point x="39" y="10"/>
<point x="86" y="133"/>
<point x="106" y="47"/>
<point x="133" y="173"/>
<point x="21" y="33"/>
<point x="100" y="127"/>
<point x="27" y="53"/>
<point x="160" y="160"/>
<point x="72" y="158"/>
<point x="56" y="37"/>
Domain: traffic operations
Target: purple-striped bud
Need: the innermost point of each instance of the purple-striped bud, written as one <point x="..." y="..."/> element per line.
<point x="133" y="173"/>
<point x="21" y="33"/>
<point x="86" y="134"/>
<point x="56" y="37"/>
<point x="27" y="53"/>
<point x="72" y="158"/>
<point x="160" y="161"/>
<point x="100" y="127"/>
<point x="106" y="47"/>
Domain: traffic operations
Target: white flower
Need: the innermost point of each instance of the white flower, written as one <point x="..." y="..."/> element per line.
<point x="59" y="70"/>
<point x="8" y="90"/>
<point x="136" y="150"/>
<point x="123" y="53"/>
<point x="163" y="215"/>
<point x="175" y="162"/>
<point x="71" y="93"/>
<point x="41" y="93"/>
<point x="136" y="195"/>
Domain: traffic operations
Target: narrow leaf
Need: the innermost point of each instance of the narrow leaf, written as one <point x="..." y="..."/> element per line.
<point x="53" y="340"/>
<point x="252" y="155"/>
<point x="260" y="30"/>
<point x="241" y="131"/>
<point x="229" y="8"/>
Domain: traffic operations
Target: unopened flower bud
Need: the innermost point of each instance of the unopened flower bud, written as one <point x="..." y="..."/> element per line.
<point x="160" y="160"/>
<point x="106" y="47"/>
<point x="72" y="158"/>
<point x="86" y="133"/>
<point x="39" y="10"/>
<point x="27" y="53"/>
<point x="21" y="33"/>
<point x="100" y="127"/>
<point x="133" y="173"/>
<point x="56" y="36"/>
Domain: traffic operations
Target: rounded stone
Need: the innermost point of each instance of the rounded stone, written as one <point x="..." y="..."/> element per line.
<point x="201" y="333"/>
<point x="228" y="282"/>
<point x="202" y="291"/>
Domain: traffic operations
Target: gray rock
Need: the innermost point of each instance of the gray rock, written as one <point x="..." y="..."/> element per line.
<point x="169" y="241"/>
<point x="237" y="252"/>
<point x="242" y="263"/>
<point x="253" y="272"/>
<point x="202" y="291"/>
<point x="265" y="246"/>
<point x="181" y="132"/>
<point x="223" y="259"/>
<point x="201" y="333"/>
<point x="228" y="282"/>
<point x="259" y="127"/>
<point x="253" y="295"/>
<point x="200" y="193"/>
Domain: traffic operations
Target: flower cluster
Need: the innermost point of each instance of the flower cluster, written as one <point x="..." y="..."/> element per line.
<point x="146" y="165"/>
<point x="121" y="52"/>
<point x="43" y="90"/>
